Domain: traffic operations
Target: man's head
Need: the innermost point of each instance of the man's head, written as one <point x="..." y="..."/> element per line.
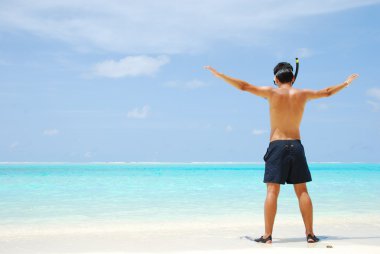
<point x="283" y="73"/>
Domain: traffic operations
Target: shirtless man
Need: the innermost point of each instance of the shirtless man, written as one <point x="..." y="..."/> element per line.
<point x="285" y="159"/>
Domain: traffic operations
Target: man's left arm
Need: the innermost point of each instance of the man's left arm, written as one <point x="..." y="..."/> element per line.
<point x="262" y="91"/>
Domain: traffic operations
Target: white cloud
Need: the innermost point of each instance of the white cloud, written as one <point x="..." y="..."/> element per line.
<point x="301" y="53"/>
<point x="258" y="131"/>
<point x="188" y="85"/>
<point x="172" y="83"/>
<point x="130" y="66"/>
<point x="14" y="145"/>
<point x="139" y="112"/>
<point x="304" y="52"/>
<point x="207" y="126"/>
<point x="374" y="92"/>
<point x="51" y="132"/>
<point x="88" y="154"/>
<point x="195" y="84"/>
<point x="375" y="105"/>
<point x="322" y="106"/>
<point x="164" y="27"/>
<point x="228" y="128"/>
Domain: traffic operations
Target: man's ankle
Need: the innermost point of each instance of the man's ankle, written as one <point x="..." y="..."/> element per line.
<point x="266" y="235"/>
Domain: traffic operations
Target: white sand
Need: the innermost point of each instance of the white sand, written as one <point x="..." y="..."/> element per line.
<point x="197" y="237"/>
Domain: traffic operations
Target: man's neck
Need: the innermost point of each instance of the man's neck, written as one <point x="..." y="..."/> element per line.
<point x="285" y="85"/>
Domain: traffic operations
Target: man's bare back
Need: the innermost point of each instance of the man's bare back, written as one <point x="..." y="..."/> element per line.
<point x="286" y="107"/>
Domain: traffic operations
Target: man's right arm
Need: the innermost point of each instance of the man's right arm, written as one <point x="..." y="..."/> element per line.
<point x="328" y="91"/>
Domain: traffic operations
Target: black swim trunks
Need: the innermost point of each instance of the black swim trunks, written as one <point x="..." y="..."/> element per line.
<point x="285" y="161"/>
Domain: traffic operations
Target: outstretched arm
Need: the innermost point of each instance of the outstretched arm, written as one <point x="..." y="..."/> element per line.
<point x="262" y="91"/>
<point x="328" y="91"/>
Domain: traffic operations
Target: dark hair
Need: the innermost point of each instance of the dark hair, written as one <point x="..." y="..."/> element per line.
<point x="284" y="72"/>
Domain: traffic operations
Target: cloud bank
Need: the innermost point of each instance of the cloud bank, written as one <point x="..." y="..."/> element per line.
<point x="51" y="132"/>
<point x="130" y="66"/>
<point x="139" y="113"/>
<point x="159" y="27"/>
<point x="375" y="94"/>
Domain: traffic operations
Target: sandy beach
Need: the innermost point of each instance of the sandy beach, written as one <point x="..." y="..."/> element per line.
<point x="202" y="236"/>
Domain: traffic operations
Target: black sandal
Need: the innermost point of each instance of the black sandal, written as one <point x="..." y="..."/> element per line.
<point x="263" y="240"/>
<point x="312" y="237"/>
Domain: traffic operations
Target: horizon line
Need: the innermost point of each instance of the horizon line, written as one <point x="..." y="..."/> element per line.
<point x="166" y="162"/>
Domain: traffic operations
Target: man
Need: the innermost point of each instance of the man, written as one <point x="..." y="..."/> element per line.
<point x="285" y="159"/>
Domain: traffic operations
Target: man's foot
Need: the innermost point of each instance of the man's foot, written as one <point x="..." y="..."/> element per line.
<point x="312" y="238"/>
<point x="264" y="240"/>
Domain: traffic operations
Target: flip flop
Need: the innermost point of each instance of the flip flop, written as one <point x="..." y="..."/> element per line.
<point x="312" y="238"/>
<point x="264" y="240"/>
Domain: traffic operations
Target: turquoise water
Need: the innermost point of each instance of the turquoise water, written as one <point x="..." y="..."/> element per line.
<point x="134" y="192"/>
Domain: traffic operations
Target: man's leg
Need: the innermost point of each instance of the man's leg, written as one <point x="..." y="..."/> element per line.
<point x="270" y="207"/>
<point x="306" y="206"/>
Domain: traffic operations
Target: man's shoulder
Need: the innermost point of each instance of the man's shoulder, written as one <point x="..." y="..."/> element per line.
<point x="267" y="87"/>
<point x="300" y="91"/>
<point x="303" y="90"/>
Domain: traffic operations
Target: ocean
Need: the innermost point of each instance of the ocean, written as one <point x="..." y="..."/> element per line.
<point x="35" y="194"/>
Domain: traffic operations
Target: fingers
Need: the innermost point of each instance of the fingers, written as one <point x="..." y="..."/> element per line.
<point x="208" y="67"/>
<point x="213" y="71"/>
<point x="354" y="76"/>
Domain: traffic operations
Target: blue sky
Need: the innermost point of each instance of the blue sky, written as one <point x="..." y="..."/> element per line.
<point x="124" y="80"/>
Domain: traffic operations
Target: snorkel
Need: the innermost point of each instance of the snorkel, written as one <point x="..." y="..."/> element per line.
<point x="288" y="69"/>
<point x="297" y="67"/>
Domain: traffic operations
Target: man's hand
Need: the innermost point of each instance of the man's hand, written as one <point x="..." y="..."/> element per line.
<point x="351" y="78"/>
<point x="213" y="71"/>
